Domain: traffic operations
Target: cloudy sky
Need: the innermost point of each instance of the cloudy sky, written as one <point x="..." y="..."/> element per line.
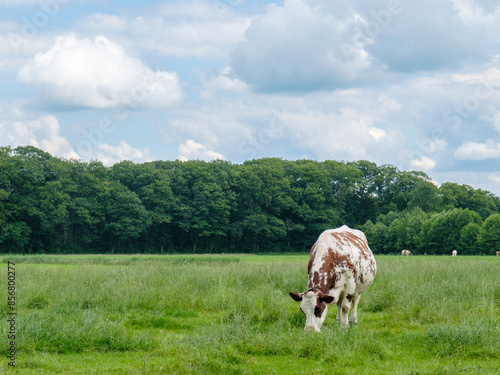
<point x="414" y="84"/>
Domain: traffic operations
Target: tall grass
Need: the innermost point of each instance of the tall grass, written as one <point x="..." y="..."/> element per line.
<point x="222" y="314"/>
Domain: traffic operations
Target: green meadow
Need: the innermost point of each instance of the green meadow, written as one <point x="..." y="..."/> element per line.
<point x="231" y="314"/>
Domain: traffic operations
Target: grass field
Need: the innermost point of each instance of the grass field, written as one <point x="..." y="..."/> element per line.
<point x="231" y="314"/>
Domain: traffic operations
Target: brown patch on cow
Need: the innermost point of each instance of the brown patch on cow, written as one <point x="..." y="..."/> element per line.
<point x="360" y="243"/>
<point x="337" y="236"/>
<point x="320" y="307"/>
<point x="349" y="297"/>
<point x="335" y="262"/>
<point x="334" y="259"/>
<point x="364" y="252"/>
<point x="345" y="309"/>
<point x="314" y="282"/>
<point x="311" y="257"/>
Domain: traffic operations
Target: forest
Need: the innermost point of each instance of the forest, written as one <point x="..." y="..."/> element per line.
<point x="52" y="205"/>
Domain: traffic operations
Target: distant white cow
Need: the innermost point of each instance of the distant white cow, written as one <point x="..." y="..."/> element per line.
<point x="406" y="253"/>
<point x="341" y="267"/>
<point x="454" y="253"/>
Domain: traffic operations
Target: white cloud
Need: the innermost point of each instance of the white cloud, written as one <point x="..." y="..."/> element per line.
<point x="418" y="38"/>
<point x="110" y="154"/>
<point x="16" y="48"/>
<point x="344" y="125"/>
<point x="42" y="133"/>
<point x="479" y="13"/>
<point x="222" y="82"/>
<point x="494" y="186"/>
<point x="194" y="9"/>
<point x="425" y="163"/>
<point x="478" y="151"/>
<point x="103" y="22"/>
<point x="220" y="124"/>
<point x="200" y="29"/>
<point x="360" y="83"/>
<point x="318" y="44"/>
<point x="495" y="178"/>
<point x="45" y="133"/>
<point x="193" y="150"/>
<point x="440" y="110"/>
<point x="496" y="122"/>
<point x="307" y="50"/>
<point x="17" y="2"/>
<point x="345" y="136"/>
<point x="377" y="133"/>
<point x="98" y="74"/>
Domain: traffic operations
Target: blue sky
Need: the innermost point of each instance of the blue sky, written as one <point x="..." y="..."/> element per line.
<point x="413" y="84"/>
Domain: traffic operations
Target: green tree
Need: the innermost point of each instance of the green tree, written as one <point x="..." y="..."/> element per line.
<point x="204" y="202"/>
<point x="426" y="196"/>
<point x="126" y="217"/>
<point x="467" y="243"/>
<point x="441" y="232"/>
<point x="312" y="207"/>
<point x="152" y="184"/>
<point x="264" y="196"/>
<point x="362" y="204"/>
<point x="23" y="172"/>
<point x="54" y="215"/>
<point x="86" y="183"/>
<point x="376" y="235"/>
<point x="402" y="229"/>
<point x="48" y="204"/>
<point x="464" y="196"/>
<point x="489" y="235"/>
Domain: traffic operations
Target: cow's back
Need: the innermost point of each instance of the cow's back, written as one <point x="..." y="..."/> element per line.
<point x="340" y="255"/>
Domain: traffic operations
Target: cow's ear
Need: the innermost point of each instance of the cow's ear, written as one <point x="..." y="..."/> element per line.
<point x="326" y="298"/>
<point x="296" y="296"/>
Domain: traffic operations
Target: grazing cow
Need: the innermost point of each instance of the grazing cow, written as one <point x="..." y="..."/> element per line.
<point x="341" y="267"/>
<point x="454" y="253"/>
<point x="406" y="253"/>
<point x="498" y="253"/>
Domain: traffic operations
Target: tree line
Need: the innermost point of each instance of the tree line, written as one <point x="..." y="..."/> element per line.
<point x="54" y="205"/>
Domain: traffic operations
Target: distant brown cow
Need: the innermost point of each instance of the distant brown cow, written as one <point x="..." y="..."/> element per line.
<point x="406" y="253"/>
<point x="498" y="253"/>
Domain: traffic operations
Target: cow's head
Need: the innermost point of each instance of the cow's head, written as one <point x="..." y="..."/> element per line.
<point x="314" y="306"/>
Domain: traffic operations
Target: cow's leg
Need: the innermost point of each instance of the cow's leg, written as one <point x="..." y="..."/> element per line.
<point x="346" y="302"/>
<point x="353" y="319"/>
<point x="338" y="295"/>
<point x="345" y="306"/>
<point x="339" y="310"/>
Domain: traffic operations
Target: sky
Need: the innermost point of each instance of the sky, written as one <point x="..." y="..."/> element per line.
<point x="400" y="82"/>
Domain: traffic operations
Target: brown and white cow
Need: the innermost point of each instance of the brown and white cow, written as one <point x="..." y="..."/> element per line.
<point x="341" y="267"/>
<point x="406" y="253"/>
<point x="454" y="253"/>
<point x="498" y="253"/>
